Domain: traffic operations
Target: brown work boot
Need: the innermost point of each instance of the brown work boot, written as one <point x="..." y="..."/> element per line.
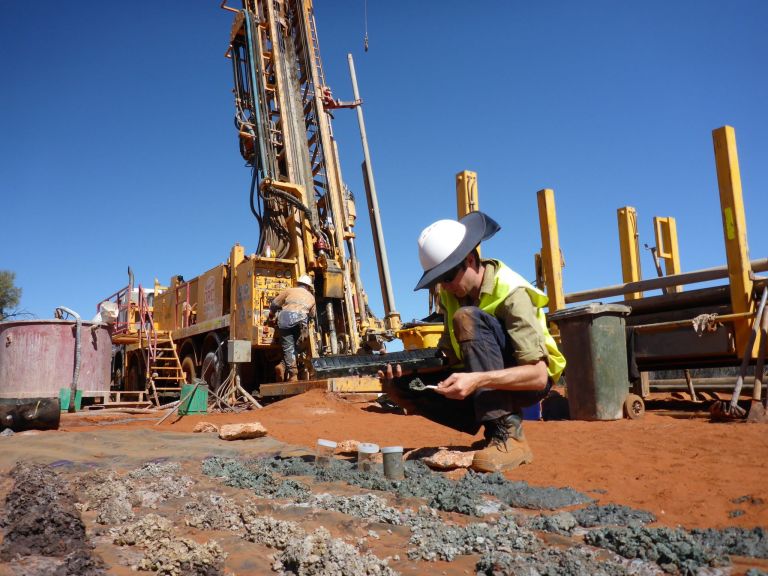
<point x="280" y="372"/>
<point x="506" y="447"/>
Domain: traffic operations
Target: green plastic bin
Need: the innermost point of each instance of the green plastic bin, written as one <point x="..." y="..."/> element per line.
<point x="195" y="404"/>
<point x="594" y="343"/>
<point x="64" y="394"/>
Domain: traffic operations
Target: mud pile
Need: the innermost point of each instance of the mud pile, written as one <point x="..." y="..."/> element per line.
<point x="255" y="475"/>
<point x="42" y="521"/>
<point x="734" y="541"/>
<point x="589" y="517"/>
<point x="463" y="496"/>
<point x="574" y="561"/>
<point x="674" y="550"/>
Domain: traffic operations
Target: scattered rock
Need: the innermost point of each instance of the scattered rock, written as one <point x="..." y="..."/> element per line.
<point x="318" y="554"/>
<point x="244" y="431"/>
<point x="211" y="511"/>
<point x="205" y="427"/>
<point x="270" y="531"/>
<point x="166" y="553"/>
<point x="445" y="459"/>
<point x="347" y="447"/>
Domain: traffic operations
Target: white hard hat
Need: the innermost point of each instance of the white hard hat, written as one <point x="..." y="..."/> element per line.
<point x="444" y="244"/>
<point x="306" y="279"/>
<point x="438" y="241"/>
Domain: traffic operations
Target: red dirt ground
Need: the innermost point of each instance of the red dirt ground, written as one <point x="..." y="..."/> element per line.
<point x="685" y="470"/>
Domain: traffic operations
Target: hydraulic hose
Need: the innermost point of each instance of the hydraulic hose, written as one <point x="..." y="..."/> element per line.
<point x="59" y="313"/>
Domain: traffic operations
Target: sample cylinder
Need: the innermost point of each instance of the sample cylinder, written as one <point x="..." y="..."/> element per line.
<point x="324" y="453"/>
<point x="365" y="456"/>
<point x="393" y="462"/>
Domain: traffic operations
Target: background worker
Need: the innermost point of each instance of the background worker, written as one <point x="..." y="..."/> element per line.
<point x="293" y="308"/>
<point x="495" y="326"/>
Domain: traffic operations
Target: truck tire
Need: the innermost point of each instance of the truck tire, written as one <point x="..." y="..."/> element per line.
<point x="189" y="369"/>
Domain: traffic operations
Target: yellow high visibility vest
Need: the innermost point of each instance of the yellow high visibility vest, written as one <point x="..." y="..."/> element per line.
<point x="504" y="283"/>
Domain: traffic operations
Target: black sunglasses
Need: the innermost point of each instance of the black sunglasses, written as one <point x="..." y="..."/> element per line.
<point x="450" y="276"/>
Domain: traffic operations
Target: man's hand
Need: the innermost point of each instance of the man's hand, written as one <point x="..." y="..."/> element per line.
<point x="388" y="376"/>
<point x="460" y="385"/>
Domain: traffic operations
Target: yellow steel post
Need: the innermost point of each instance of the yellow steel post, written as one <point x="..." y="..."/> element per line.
<point x="236" y="256"/>
<point x="667" y="248"/>
<point x="551" y="257"/>
<point x="466" y="194"/>
<point x="630" y="248"/>
<point x="734" y="231"/>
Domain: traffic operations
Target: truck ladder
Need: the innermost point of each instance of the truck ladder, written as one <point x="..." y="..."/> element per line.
<point x="161" y="357"/>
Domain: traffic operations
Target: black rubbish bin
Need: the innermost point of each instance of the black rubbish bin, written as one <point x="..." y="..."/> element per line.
<point x="594" y="344"/>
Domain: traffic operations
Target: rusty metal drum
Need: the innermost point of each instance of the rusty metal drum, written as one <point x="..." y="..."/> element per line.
<point x="37" y="358"/>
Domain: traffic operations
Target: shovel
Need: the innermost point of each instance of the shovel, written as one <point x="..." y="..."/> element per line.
<point x="731" y="410"/>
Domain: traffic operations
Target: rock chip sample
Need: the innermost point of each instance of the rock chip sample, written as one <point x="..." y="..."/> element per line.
<point x="445" y="459"/>
<point x="244" y="431"/>
<point x="205" y="427"/>
<point x="347" y="447"/>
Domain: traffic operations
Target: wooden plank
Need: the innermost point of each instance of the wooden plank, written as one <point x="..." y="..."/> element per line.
<point x="362" y="384"/>
<point x="291" y="388"/>
<point x="346" y="384"/>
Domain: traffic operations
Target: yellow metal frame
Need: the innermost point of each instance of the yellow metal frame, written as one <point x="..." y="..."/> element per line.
<point x="551" y="256"/>
<point x="734" y="231"/>
<point x="466" y="193"/>
<point x="667" y="247"/>
<point x="630" y="248"/>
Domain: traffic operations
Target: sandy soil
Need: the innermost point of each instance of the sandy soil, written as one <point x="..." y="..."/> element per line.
<point x="684" y="469"/>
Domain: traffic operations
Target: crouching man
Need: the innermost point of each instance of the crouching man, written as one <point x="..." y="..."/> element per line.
<point x="495" y="332"/>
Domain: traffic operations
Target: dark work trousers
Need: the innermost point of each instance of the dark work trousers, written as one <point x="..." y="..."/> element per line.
<point x="485" y="346"/>
<point x="289" y="338"/>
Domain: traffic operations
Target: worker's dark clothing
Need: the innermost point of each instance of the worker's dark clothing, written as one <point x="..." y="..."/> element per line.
<point x="294" y="307"/>
<point x="485" y="345"/>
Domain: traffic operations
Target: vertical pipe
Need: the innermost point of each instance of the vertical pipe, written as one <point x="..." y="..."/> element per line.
<point x="392" y="318"/>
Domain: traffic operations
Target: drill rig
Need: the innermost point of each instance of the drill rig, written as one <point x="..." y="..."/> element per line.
<point x="305" y="211"/>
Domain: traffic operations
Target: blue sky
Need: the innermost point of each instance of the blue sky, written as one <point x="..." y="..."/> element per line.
<point x="117" y="144"/>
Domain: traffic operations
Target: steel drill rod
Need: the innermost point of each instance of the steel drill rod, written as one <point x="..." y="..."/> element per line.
<point x="704" y="275"/>
<point x="373" y="205"/>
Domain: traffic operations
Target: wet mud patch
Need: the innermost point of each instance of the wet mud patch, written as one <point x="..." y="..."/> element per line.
<point x="42" y="521"/>
<point x="464" y="496"/>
